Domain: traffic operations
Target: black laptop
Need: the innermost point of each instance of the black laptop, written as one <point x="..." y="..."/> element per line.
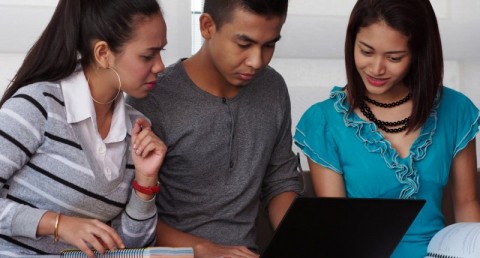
<point x="320" y="227"/>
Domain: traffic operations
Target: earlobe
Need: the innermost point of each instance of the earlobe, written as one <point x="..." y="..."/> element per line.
<point x="207" y="26"/>
<point x="101" y="52"/>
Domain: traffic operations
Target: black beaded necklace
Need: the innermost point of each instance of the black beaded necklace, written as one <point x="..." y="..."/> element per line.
<point x="384" y="125"/>
<point x="388" y="105"/>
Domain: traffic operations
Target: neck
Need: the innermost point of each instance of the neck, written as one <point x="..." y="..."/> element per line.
<point x="392" y="95"/>
<point x="103" y="114"/>
<point x="101" y="92"/>
<point x="206" y="76"/>
<point x="389" y="104"/>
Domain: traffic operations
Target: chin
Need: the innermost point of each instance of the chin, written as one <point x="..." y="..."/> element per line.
<point x="139" y="95"/>
<point x="241" y="83"/>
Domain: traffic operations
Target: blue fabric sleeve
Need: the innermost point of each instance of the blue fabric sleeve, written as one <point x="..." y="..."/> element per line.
<point x="467" y="123"/>
<point x="314" y="139"/>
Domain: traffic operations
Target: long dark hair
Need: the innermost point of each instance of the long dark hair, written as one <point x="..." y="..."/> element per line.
<point x="221" y="10"/>
<point x="68" y="37"/>
<point x="415" y="19"/>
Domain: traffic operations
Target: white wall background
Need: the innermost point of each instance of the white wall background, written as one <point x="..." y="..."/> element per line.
<point x="310" y="54"/>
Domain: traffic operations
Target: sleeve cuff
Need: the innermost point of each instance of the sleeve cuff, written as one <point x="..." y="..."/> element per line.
<point x="140" y="209"/>
<point x="26" y="222"/>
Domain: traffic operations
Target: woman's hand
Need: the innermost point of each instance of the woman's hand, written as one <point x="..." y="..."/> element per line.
<point x="88" y="233"/>
<point x="148" y="153"/>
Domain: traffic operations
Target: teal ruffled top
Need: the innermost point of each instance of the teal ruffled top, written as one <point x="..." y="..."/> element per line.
<point x="343" y="142"/>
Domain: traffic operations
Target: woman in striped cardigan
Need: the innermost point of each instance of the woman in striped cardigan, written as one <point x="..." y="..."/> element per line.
<point x="70" y="148"/>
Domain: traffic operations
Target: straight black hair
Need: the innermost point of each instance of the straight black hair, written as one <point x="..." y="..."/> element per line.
<point x="415" y="19"/>
<point x="68" y="37"/>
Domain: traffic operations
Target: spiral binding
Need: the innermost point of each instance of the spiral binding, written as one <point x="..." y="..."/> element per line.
<point x="128" y="253"/>
<point x="434" y="255"/>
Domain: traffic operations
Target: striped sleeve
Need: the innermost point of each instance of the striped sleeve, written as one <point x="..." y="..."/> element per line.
<point x="23" y="118"/>
<point x="137" y="223"/>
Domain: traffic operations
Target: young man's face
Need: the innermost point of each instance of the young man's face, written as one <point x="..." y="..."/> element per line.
<point x="243" y="46"/>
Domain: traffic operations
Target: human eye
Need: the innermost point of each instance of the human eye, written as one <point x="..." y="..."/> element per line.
<point x="243" y="45"/>
<point x="366" y="52"/>
<point x="270" y="45"/>
<point x="395" y="59"/>
<point x="150" y="55"/>
<point x="147" y="57"/>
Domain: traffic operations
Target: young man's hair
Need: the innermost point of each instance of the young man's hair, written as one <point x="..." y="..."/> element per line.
<point x="415" y="19"/>
<point x="221" y="10"/>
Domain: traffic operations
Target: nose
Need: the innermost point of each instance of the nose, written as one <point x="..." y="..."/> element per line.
<point x="377" y="66"/>
<point x="158" y="66"/>
<point x="255" y="58"/>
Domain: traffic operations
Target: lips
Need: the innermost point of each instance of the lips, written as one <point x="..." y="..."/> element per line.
<point x="376" y="81"/>
<point x="150" y="85"/>
<point x="246" y="76"/>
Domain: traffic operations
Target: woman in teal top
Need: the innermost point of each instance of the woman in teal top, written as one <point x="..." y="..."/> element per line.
<point x="394" y="131"/>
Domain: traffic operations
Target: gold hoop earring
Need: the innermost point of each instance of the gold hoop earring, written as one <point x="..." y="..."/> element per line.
<point x="118" y="92"/>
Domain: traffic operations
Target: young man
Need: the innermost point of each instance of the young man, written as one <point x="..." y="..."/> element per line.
<point x="225" y="117"/>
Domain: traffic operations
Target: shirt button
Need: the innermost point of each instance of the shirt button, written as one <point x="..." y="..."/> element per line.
<point x="101" y="149"/>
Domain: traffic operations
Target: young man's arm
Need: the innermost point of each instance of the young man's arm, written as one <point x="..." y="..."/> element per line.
<point x="169" y="236"/>
<point x="278" y="206"/>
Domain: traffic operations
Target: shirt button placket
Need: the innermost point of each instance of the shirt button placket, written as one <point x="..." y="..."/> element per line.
<point x="231" y="163"/>
<point x="101" y="149"/>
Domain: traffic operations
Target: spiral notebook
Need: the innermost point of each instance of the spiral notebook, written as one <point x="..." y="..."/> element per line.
<point x="342" y="227"/>
<point x="459" y="240"/>
<point x="147" y="252"/>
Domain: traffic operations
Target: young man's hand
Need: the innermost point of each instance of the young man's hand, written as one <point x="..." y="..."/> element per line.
<point x="208" y="249"/>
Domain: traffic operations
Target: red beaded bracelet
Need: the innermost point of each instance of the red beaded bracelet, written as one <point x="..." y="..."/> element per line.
<point x="150" y="190"/>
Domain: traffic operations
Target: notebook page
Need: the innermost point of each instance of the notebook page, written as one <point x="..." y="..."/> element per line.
<point x="460" y="240"/>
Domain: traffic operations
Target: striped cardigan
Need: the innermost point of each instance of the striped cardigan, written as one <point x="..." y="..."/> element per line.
<point x="43" y="167"/>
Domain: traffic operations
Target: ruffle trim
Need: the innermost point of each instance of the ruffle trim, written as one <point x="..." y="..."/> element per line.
<point x="469" y="136"/>
<point x="375" y="142"/>
<point x="301" y="142"/>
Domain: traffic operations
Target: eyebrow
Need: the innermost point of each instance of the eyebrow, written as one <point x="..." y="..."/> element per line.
<point x="246" y="38"/>
<point x="155" y="49"/>
<point x="388" y="52"/>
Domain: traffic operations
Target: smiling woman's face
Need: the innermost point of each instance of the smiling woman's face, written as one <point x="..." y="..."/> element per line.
<point x="382" y="58"/>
